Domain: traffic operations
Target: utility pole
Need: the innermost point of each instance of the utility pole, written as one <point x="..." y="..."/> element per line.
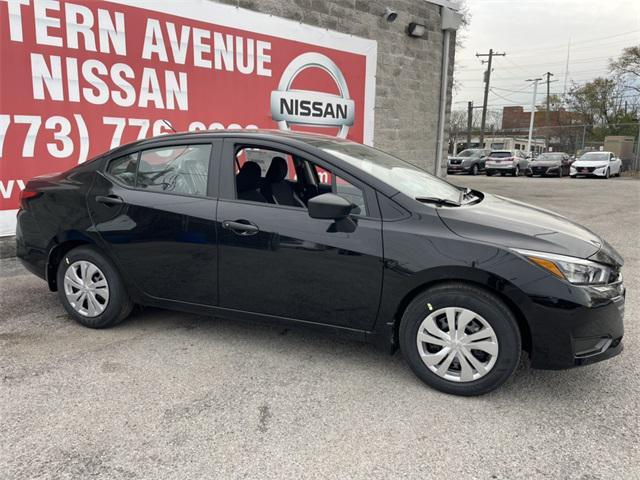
<point x="533" y="111"/>
<point x="487" y="79"/>
<point x="469" y="122"/>
<point x="546" y="116"/>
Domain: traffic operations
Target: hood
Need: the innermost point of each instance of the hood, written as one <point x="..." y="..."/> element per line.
<point x="545" y="163"/>
<point x="589" y="163"/>
<point x="509" y="223"/>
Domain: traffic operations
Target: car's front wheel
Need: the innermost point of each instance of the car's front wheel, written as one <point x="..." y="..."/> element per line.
<point x="475" y="169"/>
<point x="460" y="339"/>
<point x="91" y="289"/>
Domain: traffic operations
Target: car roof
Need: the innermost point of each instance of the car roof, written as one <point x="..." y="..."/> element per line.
<point x="263" y="134"/>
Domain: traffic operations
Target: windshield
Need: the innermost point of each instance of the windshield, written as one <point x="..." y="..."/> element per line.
<point x="467" y="153"/>
<point x="550" y="156"/>
<point x="407" y="178"/>
<point x="594" y="157"/>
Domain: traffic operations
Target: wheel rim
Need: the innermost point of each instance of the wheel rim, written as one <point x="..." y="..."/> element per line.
<point x="474" y="170"/>
<point x="86" y="288"/>
<point x="457" y="344"/>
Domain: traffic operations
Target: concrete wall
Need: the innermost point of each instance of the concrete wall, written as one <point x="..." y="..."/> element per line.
<point x="408" y="70"/>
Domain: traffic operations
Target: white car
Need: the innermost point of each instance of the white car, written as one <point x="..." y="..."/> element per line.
<point x="597" y="164"/>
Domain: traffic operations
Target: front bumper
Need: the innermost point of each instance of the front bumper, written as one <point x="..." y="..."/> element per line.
<point x="565" y="334"/>
<point x="457" y="168"/>
<point x="588" y="171"/>
<point x="543" y="171"/>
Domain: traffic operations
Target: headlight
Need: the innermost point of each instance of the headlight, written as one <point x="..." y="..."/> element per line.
<point x="575" y="270"/>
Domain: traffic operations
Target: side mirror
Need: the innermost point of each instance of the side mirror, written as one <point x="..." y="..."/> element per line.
<point x="329" y="206"/>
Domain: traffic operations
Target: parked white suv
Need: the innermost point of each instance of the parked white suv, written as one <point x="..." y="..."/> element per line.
<point x="597" y="164"/>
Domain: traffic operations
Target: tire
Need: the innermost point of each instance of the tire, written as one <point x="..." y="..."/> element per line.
<point x="516" y="171"/>
<point x="560" y="173"/>
<point x="487" y="307"/>
<point x="105" y="308"/>
<point x="502" y="174"/>
<point x="607" y="174"/>
<point x="475" y="169"/>
<point x="488" y="173"/>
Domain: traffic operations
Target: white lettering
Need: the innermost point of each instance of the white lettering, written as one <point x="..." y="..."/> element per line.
<point x="99" y="94"/>
<point x="79" y="21"/>
<point x="15" y="19"/>
<point x="178" y="48"/>
<point x="150" y="89"/>
<point x="154" y="42"/>
<point x="110" y="33"/>
<point x="44" y="22"/>
<point x="200" y="48"/>
<point x="42" y="76"/>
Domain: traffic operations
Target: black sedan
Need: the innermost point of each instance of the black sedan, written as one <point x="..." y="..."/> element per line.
<point x="300" y="229"/>
<point x="550" y="163"/>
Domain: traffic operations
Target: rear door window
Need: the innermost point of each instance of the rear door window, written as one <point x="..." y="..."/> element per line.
<point x="180" y="169"/>
<point x="123" y="169"/>
<point x="176" y="169"/>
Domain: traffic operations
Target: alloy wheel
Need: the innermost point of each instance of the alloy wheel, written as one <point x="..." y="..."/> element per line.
<point x="457" y="344"/>
<point x="86" y="288"/>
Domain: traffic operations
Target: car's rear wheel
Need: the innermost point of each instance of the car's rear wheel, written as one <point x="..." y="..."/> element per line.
<point x="91" y="289"/>
<point x="460" y="339"/>
<point x="475" y="169"/>
<point x="516" y="171"/>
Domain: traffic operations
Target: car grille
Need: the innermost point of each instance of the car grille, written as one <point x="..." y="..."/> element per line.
<point x="455" y="162"/>
<point x="586" y="169"/>
<point x="539" y="170"/>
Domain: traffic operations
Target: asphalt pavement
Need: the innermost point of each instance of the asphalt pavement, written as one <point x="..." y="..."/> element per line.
<point x="173" y="395"/>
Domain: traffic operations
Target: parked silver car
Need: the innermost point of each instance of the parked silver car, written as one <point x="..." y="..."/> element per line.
<point x="506" y="161"/>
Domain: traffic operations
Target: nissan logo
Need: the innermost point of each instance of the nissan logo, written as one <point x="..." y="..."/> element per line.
<point x="304" y="107"/>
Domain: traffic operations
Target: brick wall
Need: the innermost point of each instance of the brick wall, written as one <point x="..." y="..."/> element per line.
<point x="516" y="118"/>
<point x="408" y="70"/>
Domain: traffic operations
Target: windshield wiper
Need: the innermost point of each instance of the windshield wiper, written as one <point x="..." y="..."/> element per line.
<point x="438" y="201"/>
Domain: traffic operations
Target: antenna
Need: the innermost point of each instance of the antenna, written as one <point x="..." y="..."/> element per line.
<point x="168" y="124"/>
<point x="566" y="71"/>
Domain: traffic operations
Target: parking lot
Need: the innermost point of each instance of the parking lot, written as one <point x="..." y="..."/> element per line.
<point x="172" y="395"/>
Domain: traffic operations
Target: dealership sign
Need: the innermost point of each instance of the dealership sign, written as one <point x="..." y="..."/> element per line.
<point x="80" y="77"/>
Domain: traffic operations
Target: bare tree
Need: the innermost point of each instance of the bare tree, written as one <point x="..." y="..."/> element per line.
<point x="627" y="67"/>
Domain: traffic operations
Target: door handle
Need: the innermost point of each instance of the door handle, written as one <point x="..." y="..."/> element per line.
<point x="240" y="227"/>
<point x="109" y="200"/>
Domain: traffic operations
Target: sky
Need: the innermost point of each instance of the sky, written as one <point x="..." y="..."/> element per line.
<point x="535" y="35"/>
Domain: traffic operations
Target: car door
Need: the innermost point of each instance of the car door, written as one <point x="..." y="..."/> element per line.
<point x="276" y="260"/>
<point x="615" y="163"/>
<point x="154" y="209"/>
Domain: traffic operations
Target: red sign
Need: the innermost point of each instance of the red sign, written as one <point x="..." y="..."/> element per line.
<point x="78" y="78"/>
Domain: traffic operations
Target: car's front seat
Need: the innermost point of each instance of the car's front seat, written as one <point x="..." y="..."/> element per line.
<point x="276" y="189"/>
<point x="248" y="182"/>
